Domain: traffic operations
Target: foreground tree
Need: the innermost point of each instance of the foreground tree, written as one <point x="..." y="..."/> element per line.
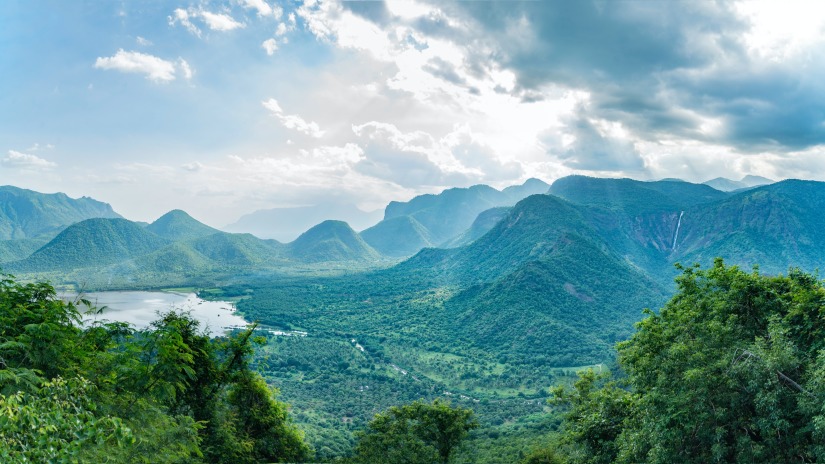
<point x="104" y="392"/>
<point x="731" y="370"/>
<point x="415" y="433"/>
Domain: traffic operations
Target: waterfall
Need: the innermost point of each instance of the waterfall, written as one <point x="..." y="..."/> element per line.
<point x="678" y="225"/>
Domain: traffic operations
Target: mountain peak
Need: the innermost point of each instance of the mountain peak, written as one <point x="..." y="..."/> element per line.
<point x="331" y="240"/>
<point x="179" y="225"/>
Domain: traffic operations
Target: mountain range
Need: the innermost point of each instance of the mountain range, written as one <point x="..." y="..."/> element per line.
<point x="647" y="226"/>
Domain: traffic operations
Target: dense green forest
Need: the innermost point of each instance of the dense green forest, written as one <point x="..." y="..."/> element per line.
<point x="729" y="370"/>
<point x="75" y="391"/>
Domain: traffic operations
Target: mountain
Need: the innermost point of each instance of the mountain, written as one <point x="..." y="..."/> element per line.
<point x="285" y="224"/>
<point x="775" y="226"/>
<point x="178" y="225"/>
<point x="483" y="223"/>
<point x="532" y="186"/>
<point x="92" y="243"/>
<point x="330" y="241"/>
<point x="237" y="249"/>
<point x="15" y="250"/>
<point x="28" y="214"/>
<point x="451" y="212"/>
<point x="727" y="185"/>
<point x="633" y="196"/>
<point x="398" y="236"/>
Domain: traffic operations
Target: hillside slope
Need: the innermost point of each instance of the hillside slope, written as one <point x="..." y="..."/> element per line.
<point x="29" y="214"/>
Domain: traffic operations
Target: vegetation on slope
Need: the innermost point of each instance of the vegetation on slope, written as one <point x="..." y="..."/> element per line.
<point x="330" y="241"/>
<point x="92" y="243"/>
<point x="28" y="214"/>
<point x="103" y="392"/>
<point x="177" y="225"/>
<point x="730" y="370"/>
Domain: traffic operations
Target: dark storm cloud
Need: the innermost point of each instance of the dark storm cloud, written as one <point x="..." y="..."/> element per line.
<point x="662" y="69"/>
<point x="594" y="151"/>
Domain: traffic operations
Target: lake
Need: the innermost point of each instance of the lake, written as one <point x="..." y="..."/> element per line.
<point x="141" y="308"/>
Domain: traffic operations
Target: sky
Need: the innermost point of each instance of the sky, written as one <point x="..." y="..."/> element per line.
<point x="223" y="107"/>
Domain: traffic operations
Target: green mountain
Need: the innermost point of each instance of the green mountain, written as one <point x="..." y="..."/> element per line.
<point x="92" y="243"/>
<point x="532" y="186"/>
<point x="225" y="249"/>
<point x="633" y="196"/>
<point x="398" y="236"/>
<point x="178" y="225"/>
<point x="330" y="241"/>
<point x="775" y="226"/>
<point x="446" y="215"/>
<point x="15" y="250"/>
<point x="28" y="214"/>
<point x="484" y="223"/>
<point x="542" y="278"/>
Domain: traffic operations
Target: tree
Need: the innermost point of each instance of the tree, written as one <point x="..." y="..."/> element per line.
<point x="415" y="433"/>
<point x="732" y="369"/>
<point x="104" y="392"/>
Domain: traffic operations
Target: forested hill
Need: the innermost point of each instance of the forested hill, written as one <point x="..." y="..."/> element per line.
<point x="28" y="214"/>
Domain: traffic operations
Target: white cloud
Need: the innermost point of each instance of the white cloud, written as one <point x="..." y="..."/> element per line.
<point x="263" y="8"/>
<point x="143" y="41"/>
<point x="291" y="121"/>
<point x="182" y="16"/>
<point x="185" y="69"/>
<point x="270" y="45"/>
<point x="16" y="159"/>
<point x="220" y="22"/>
<point x="215" y="21"/>
<point x="155" y="69"/>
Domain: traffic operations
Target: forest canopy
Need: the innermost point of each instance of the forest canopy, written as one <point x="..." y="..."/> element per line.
<point x="732" y="369"/>
<point x="78" y="391"/>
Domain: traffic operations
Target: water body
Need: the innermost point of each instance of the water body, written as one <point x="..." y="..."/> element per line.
<point x="141" y="308"/>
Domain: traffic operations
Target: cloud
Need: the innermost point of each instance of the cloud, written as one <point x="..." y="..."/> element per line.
<point x="292" y="121"/>
<point x="263" y="8"/>
<point x="270" y="45"/>
<point x="593" y="147"/>
<point x="143" y="41"/>
<point x="193" y="167"/>
<point x="182" y="16"/>
<point x="215" y="21"/>
<point x="417" y="159"/>
<point x="667" y="70"/>
<point x="155" y="69"/>
<point x="16" y="159"/>
<point x="220" y="21"/>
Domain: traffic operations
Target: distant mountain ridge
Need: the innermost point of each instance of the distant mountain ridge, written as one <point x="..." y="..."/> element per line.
<point x="29" y="214"/>
<point x="438" y="219"/>
<point x="728" y="185"/>
<point x="286" y="224"/>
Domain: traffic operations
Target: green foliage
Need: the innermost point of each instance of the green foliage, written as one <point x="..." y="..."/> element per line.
<point x="415" y="433"/>
<point x="264" y="421"/>
<point x="57" y="424"/>
<point x="729" y="371"/>
<point x="166" y="394"/>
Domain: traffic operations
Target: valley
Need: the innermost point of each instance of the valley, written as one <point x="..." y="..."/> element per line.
<point x="526" y="289"/>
